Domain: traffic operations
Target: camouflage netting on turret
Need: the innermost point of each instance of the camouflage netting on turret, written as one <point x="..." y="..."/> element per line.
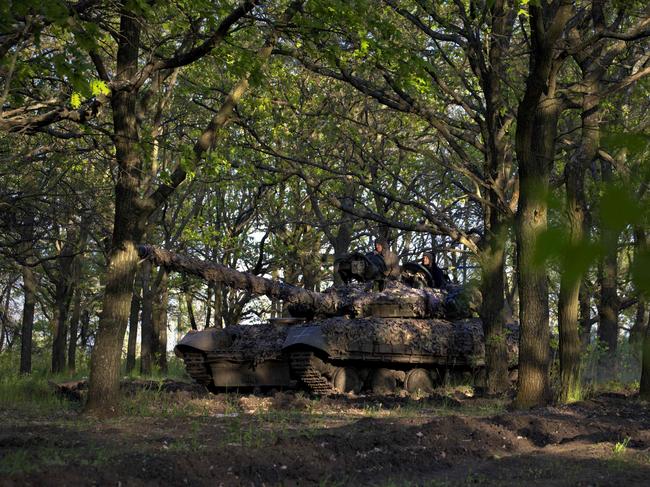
<point x="359" y="298"/>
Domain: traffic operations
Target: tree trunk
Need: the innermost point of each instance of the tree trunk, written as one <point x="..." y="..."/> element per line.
<point x="5" y="313"/>
<point x="160" y="320"/>
<point x="537" y="119"/>
<point x="190" y="309"/>
<point x="132" y="212"/>
<point x="29" y="303"/>
<point x="585" y="315"/>
<point x="644" y="389"/>
<point x="609" y="302"/>
<point x="74" y="329"/>
<point x="60" y="320"/>
<point x="637" y="333"/>
<point x="218" y="305"/>
<point x="134" y="316"/>
<point x="534" y="155"/>
<point x="569" y="338"/>
<point x="492" y="311"/>
<point x="85" y="329"/>
<point x="571" y="277"/>
<point x="208" y="308"/>
<point x="127" y="229"/>
<point x="147" y="339"/>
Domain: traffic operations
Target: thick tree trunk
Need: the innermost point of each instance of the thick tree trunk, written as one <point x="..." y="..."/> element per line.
<point x="134" y="317"/>
<point x="537" y="119"/>
<point x="533" y="386"/>
<point x="492" y="312"/>
<point x="74" y="331"/>
<point x="127" y="229"/>
<point x="29" y="303"/>
<point x="535" y="154"/>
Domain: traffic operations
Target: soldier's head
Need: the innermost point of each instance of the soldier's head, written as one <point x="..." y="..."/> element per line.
<point x="427" y="259"/>
<point x="380" y="245"/>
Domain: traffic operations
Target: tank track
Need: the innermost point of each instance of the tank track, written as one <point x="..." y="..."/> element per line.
<point x="197" y="368"/>
<point x="302" y="365"/>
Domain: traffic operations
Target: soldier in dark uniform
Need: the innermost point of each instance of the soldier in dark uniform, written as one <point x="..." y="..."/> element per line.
<point x="440" y="279"/>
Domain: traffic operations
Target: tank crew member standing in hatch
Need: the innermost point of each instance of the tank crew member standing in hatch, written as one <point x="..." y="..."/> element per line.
<point x="391" y="261"/>
<point x="439" y="278"/>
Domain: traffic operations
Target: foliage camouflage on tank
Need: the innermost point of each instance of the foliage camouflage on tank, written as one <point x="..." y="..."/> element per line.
<point x="348" y="338"/>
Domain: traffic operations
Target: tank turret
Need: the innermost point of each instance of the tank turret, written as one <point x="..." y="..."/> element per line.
<point x="346" y="339"/>
<point x="397" y="299"/>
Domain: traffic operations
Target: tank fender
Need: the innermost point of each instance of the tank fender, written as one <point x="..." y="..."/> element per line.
<point x="204" y="341"/>
<point x="311" y="336"/>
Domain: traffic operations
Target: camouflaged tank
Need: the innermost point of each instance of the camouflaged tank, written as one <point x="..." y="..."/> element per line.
<point x="350" y="338"/>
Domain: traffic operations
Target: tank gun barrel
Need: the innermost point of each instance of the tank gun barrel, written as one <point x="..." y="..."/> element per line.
<point x="397" y="299"/>
<point x="245" y="281"/>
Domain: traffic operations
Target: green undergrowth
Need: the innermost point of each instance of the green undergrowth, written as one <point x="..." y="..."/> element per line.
<point x="600" y="373"/>
<point x="34" y="393"/>
<point x="155" y="402"/>
<point x="24" y="461"/>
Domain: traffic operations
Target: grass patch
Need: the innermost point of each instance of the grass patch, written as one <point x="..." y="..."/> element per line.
<point x="34" y="459"/>
<point x="32" y="394"/>
<point x="160" y="404"/>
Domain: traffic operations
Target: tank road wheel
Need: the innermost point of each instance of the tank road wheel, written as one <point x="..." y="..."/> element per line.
<point x="383" y="382"/>
<point x="346" y="379"/>
<point x="418" y="380"/>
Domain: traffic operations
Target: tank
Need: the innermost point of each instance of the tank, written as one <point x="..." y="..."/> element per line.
<point x="351" y="338"/>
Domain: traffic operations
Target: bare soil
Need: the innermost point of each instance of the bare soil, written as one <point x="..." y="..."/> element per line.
<point x="186" y="438"/>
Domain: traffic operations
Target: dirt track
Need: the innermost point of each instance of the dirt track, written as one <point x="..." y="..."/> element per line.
<point x="292" y="440"/>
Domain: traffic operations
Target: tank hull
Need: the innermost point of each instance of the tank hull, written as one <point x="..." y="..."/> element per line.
<point x="336" y="355"/>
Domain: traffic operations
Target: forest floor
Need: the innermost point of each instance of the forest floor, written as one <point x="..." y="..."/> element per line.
<point x="187" y="437"/>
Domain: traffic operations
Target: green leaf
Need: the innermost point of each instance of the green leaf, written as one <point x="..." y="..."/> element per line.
<point x="75" y="100"/>
<point x="98" y="87"/>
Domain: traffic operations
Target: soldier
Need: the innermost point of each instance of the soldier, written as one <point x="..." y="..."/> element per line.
<point x="391" y="261"/>
<point x="440" y="279"/>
